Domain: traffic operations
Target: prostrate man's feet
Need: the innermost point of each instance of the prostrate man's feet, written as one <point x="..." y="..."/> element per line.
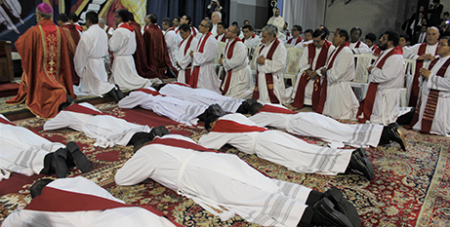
<point x="213" y="110"/>
<point x="244" y="108"/>
<point x="360" y="164"/>
<point x="393" y="133"/>
<point x="342" y="205"/>
<point x="79" y="158"/>
<point x="59" y="163"/>
<point x="116" y="94"/>
<point x="164" y="130"/>
<point x="327" y="210"/>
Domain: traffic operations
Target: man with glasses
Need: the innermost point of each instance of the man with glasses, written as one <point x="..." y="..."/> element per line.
<point x="185" y="19"/>
<point x="296" y="32"/>
<point x="250" y="38"/>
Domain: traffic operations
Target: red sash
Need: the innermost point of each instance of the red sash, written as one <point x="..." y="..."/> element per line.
<point x="180" y="84"/>
<point x="78" y="27"/>
<point x="229" y="50"/>
<point x="84" y="110"/>
<point x="179" y="143"/>
<point x="127" y="26"/>
<point x="323" y="90"/>
<point x="375" y="49"/>
<point x="56" y="200"/>
<point x="415" y="89"/>
<point x="366" y="105"/>
<point x="187" y="71"/>
<point x="321" y="60"/>
<point x="269" y="77"/>
<point x="4" y="121"/>
<point x="193" y="80"/>
<point x="253" y="36"/>
<point x="223" y="39"/>
<point x="275" y="109"/>
<point x="194" y="31"/>
<point x="299" y="39"/>
<point x="430" y="106"/>
<point x="358" y="44"/>
<point x="229" y="126"/>
<point x="150" y="92"/>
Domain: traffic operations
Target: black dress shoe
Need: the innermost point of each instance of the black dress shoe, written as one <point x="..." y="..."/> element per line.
<point x="325" y="208"/>
<point x="215" y="110"/>
<point x="59" y="163"/>
<point x="396" y="135"/>
<point x="113" y="94"/>
<point x="156" y="131"/>
<point x="80" y="159"/>
<point x="119" y="92"/>
<point x="360" y="164"/>
<point x="342" y="205"/>
<point x="244" y="108"/>
<point x="164" y="130"/>
<point x="48" y="170"/>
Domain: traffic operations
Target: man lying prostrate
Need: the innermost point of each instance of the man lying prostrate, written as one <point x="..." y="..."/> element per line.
<point x="181" y="111"/>
<point x="282" y="148"/>
<point x="25" y="152"/>
<point x="80" y="202"/>
<point x="106" y="129"/>
<point x="223" y="182"/>
<point x="323" y="127"/>
<point x="206" y="97"/>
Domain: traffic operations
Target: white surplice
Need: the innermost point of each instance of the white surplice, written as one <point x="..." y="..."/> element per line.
<point x="390" y="80"/>
<point x="207" y="77"/>
<point x="241" y="82"/>
<point x="104" y="129"/>
<point x="362" y="49"/>
<point x="341" y="101"/>
<point x="276" y="66"/>
<point x="115" y="217"/>
<point x="441" y="120"/>
<point x="181" y="111"/>
<point x="171" y="39"/>
<point x="124" y="74"/>
<point x="89" y="62"/>
<point x="184" y="59"/>
<point x="201" y="96"/>
<point x="218" y="180"/>
<point x="317" y="125"/>
<point x="277" y="21"/>
<point x="253" y="42"/>
<point x="280" y="148"/>
<point x="414" y="50"/>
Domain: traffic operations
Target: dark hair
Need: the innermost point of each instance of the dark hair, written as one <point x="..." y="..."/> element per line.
<point x="356" y="28"/>
<point x="319" y="33"/>
<point x="73" y="17"/>
<point x="209" y="120"/>
<point x="153" y="18"/>
<point x="224" y="25"/>
<point x="185" y="27"/>
<point x="405" y="36"/>
<point x="236" y="30"/>
<point x="123" y="14"/>
<point x="447" y="38"/>
<point x="130" y="16"/>
<point x="235" y="23"/>
<point x="370" y="36"/>
<point x="392" y="36"/>
<point x="245" y="21"/>
<point x="309" y="31"/>
<point x="446" y="13"/>
<point x="209" y="24"/>
<point x="255" y="107"/>
<point x="250" y="28"/>
<point x="298" y="27"/>
<point x="92" y="17"/>
<point x="62" y="17"/>
<point x="178" y="18"/>
<point x="343" y="33"/>
<point x="167" y="21"/>
<point x="36" y="188"/>
<point x="189" y="19"/>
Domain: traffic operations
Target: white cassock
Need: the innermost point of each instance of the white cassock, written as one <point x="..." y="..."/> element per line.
<point x="184" y="59"/>
<point x="218" y="180"/>
<point x="441" y="120"/>
<point x="171" y="39"/>
<point x="304" y="65"/>
<point x="341" y="102"/>
<point x="124" y="74"/>
<point x="276" y="67"/>
<point x="89" y="63"/>
<point x="317" y="125"/>
<point x="22" y="150"/>
<point x="277" y="21"/>
<point x="201" y="96"/>
<point x="207" y="77"/>
<point x="280" y="148"/>
<point x="414" y="50"/>
<point x="390" y="81"/>
<point x="252" y="41"/>
<point x="108" y="29"/>
<point x="363" y="62"/>
<point x="104" y="129"/>
<point x="304" y="44"/>
<point x="241" y="83"/>
<point x="214" y="29"/>
<point x="178" y="110"/>
<point x="282" y="37"/>
<point x="76" y="189"/>
<point x="361" y="49"/>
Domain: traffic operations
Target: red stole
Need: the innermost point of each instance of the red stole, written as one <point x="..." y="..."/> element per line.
<point x="269" y="77"/>
<point x="78" y="27"/>
<point x="84" y="110"/>
<point x="127" y="26"/>
<point x="358" y="44"/>
<point x="430" y="106"/>
<point x="299" y="39"/>
<point x="229" y="51"/>
<point x="187" y="71"/>
<point x="321" y="60"/>
<point x="149" y="91"/>
<point x="375" y="49"/>
<point x="415" y="89"/>
<point x="223" y="39"/>
<point x="51" y="201"/>
<point x="323" y="90"/>
<point x="4" y="121"/>
<point x="366" y="105"/>
<point x="253" y="36"/>
<point x="194" y="31"/>
<point x="275" y="109"/>
<point x="200" y="47"/>
<point x="179" y="143"/>
<point x="229" y="126"/>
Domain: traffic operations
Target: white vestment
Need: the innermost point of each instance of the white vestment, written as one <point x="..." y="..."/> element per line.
<point x="277" y="21"/>
<point x="207" y="77"/>
<point x="181" y="111"/>
<point x="341" y="102"/>
<point x="89" y="62"/>
<point x="280" y="148"/>
<point x="241" y="83"/>
<point x="184" y="59"/>
<point x="115" y="217"/>
<point x="276" y="67"/>
<point x="108" y="29"/>
<point x="390" y="81"/>
<point x="282" y="37"/>
<point x="317" y="125"/>
<point x="171" y="39"/>
<point x="22" y="150"/>
<point x="362" y="49"/>
<point x="201" y="96"/>
<point x="430" y="49"/>
<point x="441" y="120"/>
<point x="304" y="44"/>
<point x="214" y="30"/>
<point x="106" y="130"/>
<point x="124" y="74"/>
<point x="253" y="42"/>
<point x="219" y="180"/>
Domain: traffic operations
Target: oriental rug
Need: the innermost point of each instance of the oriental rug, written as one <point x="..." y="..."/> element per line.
<point x="409" y="189"/>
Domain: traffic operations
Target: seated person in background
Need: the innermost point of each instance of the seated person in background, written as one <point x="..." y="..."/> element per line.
<point x="250" y="38"/>
<point x="370" y="42"/>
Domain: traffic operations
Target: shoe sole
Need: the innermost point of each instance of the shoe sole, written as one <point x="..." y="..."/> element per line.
<point x="80" y="159"/>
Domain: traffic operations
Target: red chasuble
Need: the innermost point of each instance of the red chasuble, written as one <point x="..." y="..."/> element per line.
<point x="46" y="78"/>
<point x="268" y="76"/>
<point x="155" y="49"/>
<point x="140" y="57"/>
<point x="195" y="72"/>
<point x="73" y="37"/>
<point x="230" y="49"/>
<point x="415" y="89"/>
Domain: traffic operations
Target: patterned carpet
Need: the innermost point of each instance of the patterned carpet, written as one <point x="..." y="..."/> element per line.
<point x="410" y="188"/>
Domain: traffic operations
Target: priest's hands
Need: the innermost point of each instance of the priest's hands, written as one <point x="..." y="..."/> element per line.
<point x="425" y="57"/>
<point x="261" y="60"/>
<point x="370" y="69"/>
<point x="425" y="72"/>
<point x="191" y="53"/>
<point x="221" y="61"/>
<point x="323" y="71"/>
<point x="311" y="74"/>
